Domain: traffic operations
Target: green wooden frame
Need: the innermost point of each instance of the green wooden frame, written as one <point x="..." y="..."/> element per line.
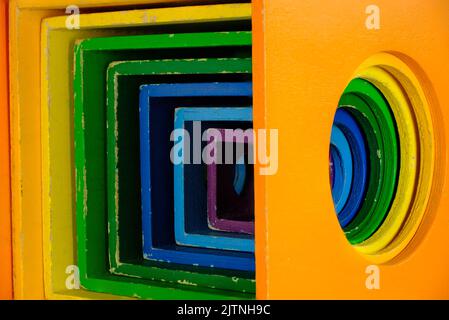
<point x="92" y="57"/>
<point x="125" y="244"/>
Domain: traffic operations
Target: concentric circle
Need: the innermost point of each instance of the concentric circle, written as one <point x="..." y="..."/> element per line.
<point x="377" y="109"/>
<point x="348" y="125"/>
<point x="386" y="114"/>
<point x="343" y="166"/>
<point x="409" y="158"/>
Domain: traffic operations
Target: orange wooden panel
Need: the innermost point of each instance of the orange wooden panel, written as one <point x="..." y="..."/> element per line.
<point x="26" y="177"/>
<point x="5" y="191"/>
<point x="305" y="54"/>
<point x="259" y="123"/>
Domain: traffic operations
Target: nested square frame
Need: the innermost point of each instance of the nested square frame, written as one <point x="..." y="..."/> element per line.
<point x="26" y="176"/>
<point x="196" y="210"/>
<point x="92" y="57"/>
<point x="160" y="244"/>
<point x="25" y="86"/>
<point x="124" y="174"/>
<point x="57" y="128"/>
<point x="232" y="223"/>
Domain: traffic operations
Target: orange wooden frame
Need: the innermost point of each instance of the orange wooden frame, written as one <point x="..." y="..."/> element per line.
<point x="25" y="127"/>
<point x="305" y="53"/>
<point x="5" y="186"/>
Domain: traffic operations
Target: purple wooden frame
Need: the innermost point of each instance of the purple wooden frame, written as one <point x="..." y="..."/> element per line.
<point x="240" y="222"/>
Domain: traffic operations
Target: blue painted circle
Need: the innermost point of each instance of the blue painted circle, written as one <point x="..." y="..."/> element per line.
<point x="343" y="168"/>
<point x="354" y="135"/>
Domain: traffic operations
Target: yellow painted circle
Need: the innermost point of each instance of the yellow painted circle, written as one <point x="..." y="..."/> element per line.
<point x="402" y="87"/>
<point x="407" y="131"/>
<point x="420" y="108"/>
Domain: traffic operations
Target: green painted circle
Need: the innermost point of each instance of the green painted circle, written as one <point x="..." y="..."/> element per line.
<point x="362" y="113"/>
<point x="389" y="158"/>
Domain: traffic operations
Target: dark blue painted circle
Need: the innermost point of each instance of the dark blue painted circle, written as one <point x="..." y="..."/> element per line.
<point x="343" y="168"/>
<point x="353" y="133"/>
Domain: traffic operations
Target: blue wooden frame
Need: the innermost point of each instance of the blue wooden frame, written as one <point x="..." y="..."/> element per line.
<point x="159" y="242"/>
<point x="204" y="237"/>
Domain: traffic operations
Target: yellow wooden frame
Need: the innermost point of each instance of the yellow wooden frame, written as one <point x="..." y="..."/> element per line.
<point x="27" y="180"/>
<point x="58" y="185"/>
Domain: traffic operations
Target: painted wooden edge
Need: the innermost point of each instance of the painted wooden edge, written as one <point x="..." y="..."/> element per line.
<point x="6" y="290"/>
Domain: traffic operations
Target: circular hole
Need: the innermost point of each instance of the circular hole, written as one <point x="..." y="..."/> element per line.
<point x="382" y="128"/>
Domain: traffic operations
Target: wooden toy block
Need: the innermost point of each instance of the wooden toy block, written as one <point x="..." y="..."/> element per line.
<point x="5" y="186"/>
<point x="27" y="182"/>
<point x="158" y="220"/>
<point x="57" y="150"/>
<point x="92" y="58"/>
<point x="304" y="74"/>
<point x="230" y="188"/>
<point x="124" y="187"/>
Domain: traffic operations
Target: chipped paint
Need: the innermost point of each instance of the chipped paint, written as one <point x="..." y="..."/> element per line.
<point x="187" y="283"/>
<point x="85" y="193"/>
